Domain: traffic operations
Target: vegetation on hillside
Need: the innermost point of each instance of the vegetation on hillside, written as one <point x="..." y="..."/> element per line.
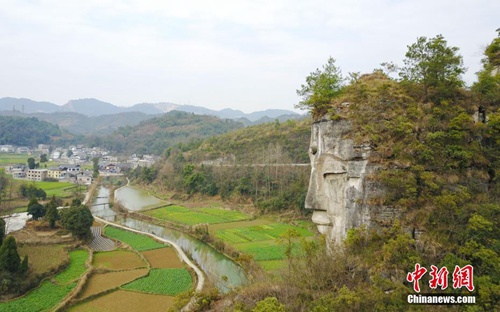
<point x="155" y="135"/>
<point x="256" y="164"/>
<point x="26" y="131"/>
<point x="437" y="145"/>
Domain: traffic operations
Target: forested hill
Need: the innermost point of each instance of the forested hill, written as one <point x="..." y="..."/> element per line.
<point x="155" y="135"/>
<point x="247" y="156"/>
<point x="27" y="131"/>
<point x="284" y="142"/>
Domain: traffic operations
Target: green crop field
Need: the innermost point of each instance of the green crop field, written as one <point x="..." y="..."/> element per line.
<point x="261" y="241"/>
<point x="45" y="297"/>
<point x="258" y="233"/>
<point x="49" y="294"/>
<point x="188" y="216"/>
<point x="59" y="189"/>
<point x="136" y="241"/>
<point x="13" y="159"/>
<point x="76" y="267"/>
<point x="163" y="282"/>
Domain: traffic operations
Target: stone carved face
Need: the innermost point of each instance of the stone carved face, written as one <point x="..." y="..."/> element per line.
<point x="335" y="184"/>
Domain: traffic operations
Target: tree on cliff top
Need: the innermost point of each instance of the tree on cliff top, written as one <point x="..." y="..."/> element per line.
<point x="320" y="88"/>
<point x="487" y="88"/>
<point x="434" y="67"/>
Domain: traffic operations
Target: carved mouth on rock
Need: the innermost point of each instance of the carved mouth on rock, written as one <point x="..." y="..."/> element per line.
<point x="320" y="218"/>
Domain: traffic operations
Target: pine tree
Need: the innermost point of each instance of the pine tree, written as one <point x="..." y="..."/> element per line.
<point x="23" y="269"/>
<point x="9" y="258"/>
<point x="51" y="214"/>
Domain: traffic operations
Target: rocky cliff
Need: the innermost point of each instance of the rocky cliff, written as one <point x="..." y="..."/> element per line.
<point x="341" y="190"/>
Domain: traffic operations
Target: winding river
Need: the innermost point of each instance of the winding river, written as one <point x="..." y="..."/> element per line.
<point x="219" y="270"/>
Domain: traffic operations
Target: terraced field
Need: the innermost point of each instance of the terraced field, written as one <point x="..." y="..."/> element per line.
<point x="163" y="282"/>
<point x="50" y="293"/>
<point x="148" y="273"/>
<point x="99" y="283"/>
<point x="134" y="240"/>
<point x="118" y="260"/>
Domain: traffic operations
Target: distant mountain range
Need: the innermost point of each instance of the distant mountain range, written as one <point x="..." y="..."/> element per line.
<point x="93" y="108"/>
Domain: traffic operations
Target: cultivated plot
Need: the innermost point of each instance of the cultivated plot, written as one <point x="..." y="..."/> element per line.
<point x="163" y="282"/>
<point x="118" y="260"/>
<point x="260" y="241"/>
<point x="50" y="293"/>
<point x="136" y="241"/>
<point x="192" y="216"/>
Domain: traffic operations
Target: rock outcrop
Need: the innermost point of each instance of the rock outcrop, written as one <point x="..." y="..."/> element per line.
<point x="341" y="190"/>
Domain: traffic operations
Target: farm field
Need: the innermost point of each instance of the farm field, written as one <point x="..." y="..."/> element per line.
<point x="260" y="241"/>
<point x="102" y="282"/>
<point x="43" y="258"/>
<point x="145" y="279"/>
<point x="50" y="293"/>
<point x="118" y="260"/>
<point x="13" y="159"/>
<point x="131" y="280"/>
<point x="257" y="237"/>
<point x="59" y="189"/>
<point x="123" y="300"/>
<point x="76" y="267"/>
<point x="136" y="241"/>
<point x="163" y="282"/>
<point x="163" y="258"/>
<point x="192" y="216"/>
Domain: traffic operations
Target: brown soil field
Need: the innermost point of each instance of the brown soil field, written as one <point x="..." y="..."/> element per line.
<point x="118" y="260"/>
<point x="124" y="301"/>
<point x="98" y="283"/>
<point x="43" y="258"/>
<point x="163" y="258"/>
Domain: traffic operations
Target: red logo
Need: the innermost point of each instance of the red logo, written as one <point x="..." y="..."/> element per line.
<point x="462" y="277"/>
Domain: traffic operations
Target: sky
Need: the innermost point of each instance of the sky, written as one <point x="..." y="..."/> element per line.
<point x="246" y="55"/>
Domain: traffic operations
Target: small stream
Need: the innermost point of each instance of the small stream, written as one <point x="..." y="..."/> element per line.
<point x="219" y="270"/>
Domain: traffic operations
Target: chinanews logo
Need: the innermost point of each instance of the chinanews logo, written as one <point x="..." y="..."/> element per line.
<point x="462" y="277"/>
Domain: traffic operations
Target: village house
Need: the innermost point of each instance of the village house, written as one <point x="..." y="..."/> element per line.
<point x="55" y="173"/>
<point x="36" y="174"/>
<point x="84" y="179"/>
<point x="7" y="148"/>
<point x="23" y="150"/>
<point x="72" y="169"/>
<point x="18" y="173"/>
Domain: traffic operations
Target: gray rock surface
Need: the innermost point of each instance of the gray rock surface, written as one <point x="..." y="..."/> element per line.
<point x="340" y="190"/>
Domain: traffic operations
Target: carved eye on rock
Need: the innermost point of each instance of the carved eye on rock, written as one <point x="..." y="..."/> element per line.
<point x="314" y="149"/>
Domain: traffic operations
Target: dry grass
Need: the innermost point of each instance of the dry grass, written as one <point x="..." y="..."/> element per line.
<point x="29" y="235"/>
<point x="123" y="301"/>
<point x="99" y="283"/>
<point x="163" y="258"/>
<point x="118" y="260"/>
<point x="43" y="258"/>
